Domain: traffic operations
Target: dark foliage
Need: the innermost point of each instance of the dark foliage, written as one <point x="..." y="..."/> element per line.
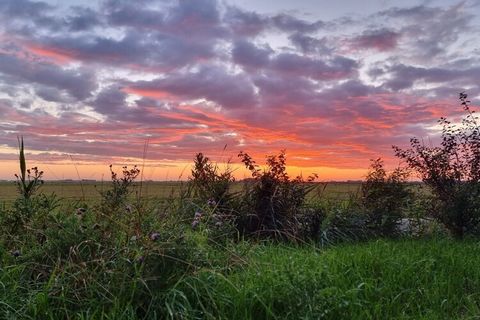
<point x="273" y="201"/>
<point x="452" y="171"/>
<point x="384" y="198"/>
<point x="210" y="185"/>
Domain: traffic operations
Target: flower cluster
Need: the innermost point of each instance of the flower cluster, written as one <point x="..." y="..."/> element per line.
<point x="211" y="203"/>
<point x="154" y="236"/>
<point x="217" y="219"/>
<point x="196" y="219"/>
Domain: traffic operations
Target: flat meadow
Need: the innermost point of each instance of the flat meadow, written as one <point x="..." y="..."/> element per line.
<point x="90" y="191"/>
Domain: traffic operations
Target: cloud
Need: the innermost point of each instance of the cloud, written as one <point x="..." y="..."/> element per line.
<point x="380" y="39"/>
<point x="245" y="23"/>
<point x="308" y="44"/>
<point x="77" y="83"/>
<point x="337" y="67"/>
<point x="292" y="24"/>
<point x="431" y="31"/>
<point x="24" y="8"/>
<point x="192" y="76"/>
<point x="404" y="76"/>
<point x="209" y="82"/>
<point x="83" y="19"/>
<point x="247" y="54"/>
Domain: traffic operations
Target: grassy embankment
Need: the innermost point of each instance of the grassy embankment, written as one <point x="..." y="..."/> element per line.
<point x="405" y="279"/>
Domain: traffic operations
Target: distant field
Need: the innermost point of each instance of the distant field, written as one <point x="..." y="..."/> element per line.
<point x="89" y="191"/>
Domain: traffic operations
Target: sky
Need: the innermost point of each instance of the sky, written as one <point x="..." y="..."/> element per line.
<point x="151" y="83"/>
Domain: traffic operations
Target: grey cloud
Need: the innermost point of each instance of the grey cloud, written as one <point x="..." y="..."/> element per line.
<point x="110" y="101"/>
<point x="247" y="54"/>
<point x="245" y="23"/>
<point x="24" y="8"/>
<point x="310" y="44"/>
<point x="77" y="83"/>
<point x="404" y="76"/>
<point x="209" y="82"/>
<point x="147" y="50"/>
<point x="52" y="94"/>
<point x="431" y="31"/>
<point x="83" y="19"/>
<point x="249" y="23"/>
<point x="294" y="64"/>
<point x="200" y="18"/>
<point x="379" y="39"/>
<point x="289" y="23"/>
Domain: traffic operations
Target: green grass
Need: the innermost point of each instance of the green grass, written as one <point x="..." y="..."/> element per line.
<point x="410" y="279"/>
<point x="396" y="279"/>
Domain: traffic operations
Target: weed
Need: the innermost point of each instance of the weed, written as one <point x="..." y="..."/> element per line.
<point x="116" y="197"/>
<point x="29" y="180"/>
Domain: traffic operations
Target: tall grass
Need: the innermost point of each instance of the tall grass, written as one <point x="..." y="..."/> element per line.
<point x="426" y="279"/>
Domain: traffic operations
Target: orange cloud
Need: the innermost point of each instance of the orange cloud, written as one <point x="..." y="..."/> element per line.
<point x="155" y="94"/>
<point x="56" y="55"/>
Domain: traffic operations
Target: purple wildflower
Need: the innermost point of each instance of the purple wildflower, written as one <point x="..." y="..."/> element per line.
<point x="211" y="202"/>
<point x="155" y="236"/>
<point x="195" y="223"/>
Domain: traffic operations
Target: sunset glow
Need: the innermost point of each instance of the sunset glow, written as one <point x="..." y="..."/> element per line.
<point x="151" y="83"/>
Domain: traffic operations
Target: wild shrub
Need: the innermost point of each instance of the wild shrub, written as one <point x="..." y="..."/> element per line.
<point x="273" y="200"/>
<point x="452" y="171"/>
<point x="384" y="198"/>
<point x="213" y="200"/>
<point x="210" y="185"/>
<point x="115" y="198"/>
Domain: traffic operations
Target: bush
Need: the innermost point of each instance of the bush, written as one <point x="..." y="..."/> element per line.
<point x="384" y="198"/>
<point x="213" y="204"/>
<point x="272" y="201"/>
<point x="209" y="184"/>
<point x="452" y="171"/>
